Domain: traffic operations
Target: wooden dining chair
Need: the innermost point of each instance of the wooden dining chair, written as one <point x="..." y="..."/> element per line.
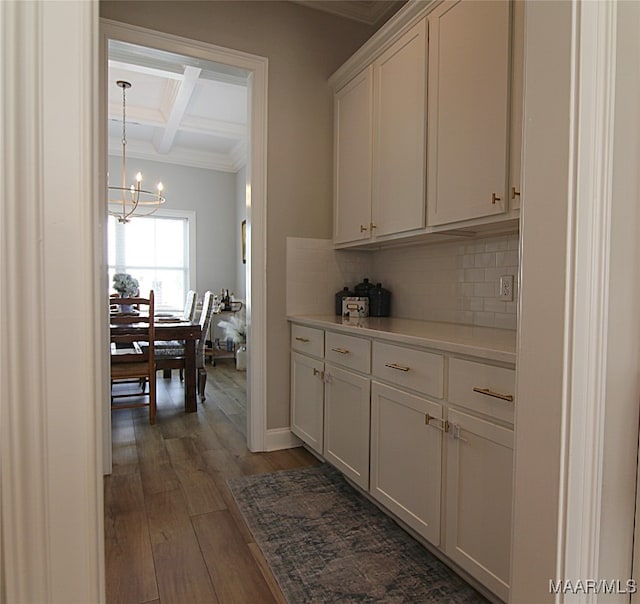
<point x="173" y="347"/>
<point x="133" y="352"/>
<point x="174" y="358"/>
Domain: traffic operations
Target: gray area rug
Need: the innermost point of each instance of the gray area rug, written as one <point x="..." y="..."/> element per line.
<point x="326" y="543"/>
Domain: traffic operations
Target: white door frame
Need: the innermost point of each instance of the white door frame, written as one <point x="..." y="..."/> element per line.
<point x="51" y="349"/>
<point x="576" y="412"/>
<point x="256" y="200"/>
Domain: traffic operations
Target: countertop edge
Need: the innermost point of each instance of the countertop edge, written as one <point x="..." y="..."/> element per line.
<point x="477" y="348"/>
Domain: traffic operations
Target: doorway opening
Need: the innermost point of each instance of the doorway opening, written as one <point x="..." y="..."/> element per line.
<point x="155" y="51"/>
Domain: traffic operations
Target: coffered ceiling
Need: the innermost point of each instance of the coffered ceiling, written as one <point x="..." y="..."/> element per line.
<point x="179" y="110"/>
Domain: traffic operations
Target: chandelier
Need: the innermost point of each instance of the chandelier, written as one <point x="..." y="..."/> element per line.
<point x="126" y="202"/>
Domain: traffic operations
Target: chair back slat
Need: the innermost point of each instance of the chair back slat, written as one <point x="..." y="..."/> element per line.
<point x="189" y="312"/>
<point x="205" y="322"/>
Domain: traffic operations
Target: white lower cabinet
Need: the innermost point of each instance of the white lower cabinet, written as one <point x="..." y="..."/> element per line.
<point x="406" y="457"/>
<point x="479" y="496"/>
<point x="346" y="423"/>
<point x="307" y="399"/>
<point x="427" y="433"/>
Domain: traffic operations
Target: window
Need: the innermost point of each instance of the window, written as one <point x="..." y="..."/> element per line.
<point x="158" y="251"/>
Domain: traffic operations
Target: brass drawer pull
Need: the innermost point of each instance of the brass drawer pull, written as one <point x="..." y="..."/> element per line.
<point x="363" y="228"/>
<point x="514" y="193"/>
<point x="494" y="198"/>
<point x="318" y="372"/>
<point x="302" y="339"/>
<point x="429" y="418"/>
<point x="487" y="392"/>
<point x="341" y="350"/>
<point x="396" y="366"/>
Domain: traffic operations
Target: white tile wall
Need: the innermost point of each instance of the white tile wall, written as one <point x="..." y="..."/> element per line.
<point x="315" y="272"/>
<point x="454" y="282"/>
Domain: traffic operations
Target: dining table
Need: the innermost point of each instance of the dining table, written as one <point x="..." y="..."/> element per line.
<point x="168" y="328"/>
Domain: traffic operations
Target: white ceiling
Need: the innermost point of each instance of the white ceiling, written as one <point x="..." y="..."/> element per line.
<point x="179" y="110"/>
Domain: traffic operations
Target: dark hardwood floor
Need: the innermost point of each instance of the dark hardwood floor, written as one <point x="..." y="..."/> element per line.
<point x="173" y="533"/>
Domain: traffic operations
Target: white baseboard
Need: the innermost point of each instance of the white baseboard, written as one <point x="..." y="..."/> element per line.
<point x="281" y="438"/>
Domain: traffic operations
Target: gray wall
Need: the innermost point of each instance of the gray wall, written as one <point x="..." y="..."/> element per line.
<point x="212" y="196"/>
<point x="304" y="48"/>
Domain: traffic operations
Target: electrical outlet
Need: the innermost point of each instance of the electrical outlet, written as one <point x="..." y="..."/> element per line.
<point x="506" y="288"/>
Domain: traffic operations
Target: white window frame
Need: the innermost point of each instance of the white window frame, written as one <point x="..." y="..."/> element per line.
<point x="191" y="244"/>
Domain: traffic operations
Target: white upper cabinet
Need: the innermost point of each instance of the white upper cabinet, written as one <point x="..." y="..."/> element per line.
<point x="380" y="140"/>
<point x="468" y="111"/>
<point x="353" y="143"/>
<point x="399" y="133"/>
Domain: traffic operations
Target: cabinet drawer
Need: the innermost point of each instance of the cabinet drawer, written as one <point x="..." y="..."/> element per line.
<point x="415" y="369"/>
<point x="483" y="388"/>
<point x="307" y="340"/>
<point x="348" y="351"/>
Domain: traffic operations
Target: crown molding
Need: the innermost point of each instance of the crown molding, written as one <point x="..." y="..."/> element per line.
<point x="369" y="12"/>
<point x="402" y="21"/>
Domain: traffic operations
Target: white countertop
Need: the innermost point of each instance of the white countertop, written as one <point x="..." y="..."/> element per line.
<point x="485" y="342"/>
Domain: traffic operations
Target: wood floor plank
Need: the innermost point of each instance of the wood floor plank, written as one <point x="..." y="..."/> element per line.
<point x="287" y="459"/>
<point x="123" y="492"/>
<point x="224" y="466"/>
<point x="124" y="455"/>
<point x="236" y="577"/>
<point x="182" y="574"/>
<point x="130" y="571"/>
<point x="227" y="432"/>
<point x="274" y="588"/>
<point x="239" y="420"/>
<point x="155" y="466"/>
<point x="197" y="485"/>
<point x="124" y="459"/>
<point x="158" y="477"/>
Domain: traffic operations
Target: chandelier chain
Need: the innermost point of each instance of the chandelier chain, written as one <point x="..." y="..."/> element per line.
<point x="124" y="115"/>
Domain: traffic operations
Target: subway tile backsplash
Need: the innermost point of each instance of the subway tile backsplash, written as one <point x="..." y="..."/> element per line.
<point x="455" y="282"/>
<point x="315" y="272"/>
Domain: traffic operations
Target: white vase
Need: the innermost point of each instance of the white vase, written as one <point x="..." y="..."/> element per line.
<point x="241" y="358"/>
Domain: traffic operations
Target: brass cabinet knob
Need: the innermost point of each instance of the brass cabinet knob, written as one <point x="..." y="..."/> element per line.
<point x="494" y="198"/>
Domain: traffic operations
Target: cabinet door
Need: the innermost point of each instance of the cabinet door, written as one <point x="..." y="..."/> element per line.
<point x="517" y="105"/>
<point x="479" y="497"/>
<point x="406" y="457"/>
<point x="469" y="45"/>
<point x="307" y="391"/>
<point x="399" y="135"/>
<point x="346" y="423"/>
<point x="352" y="179"/>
